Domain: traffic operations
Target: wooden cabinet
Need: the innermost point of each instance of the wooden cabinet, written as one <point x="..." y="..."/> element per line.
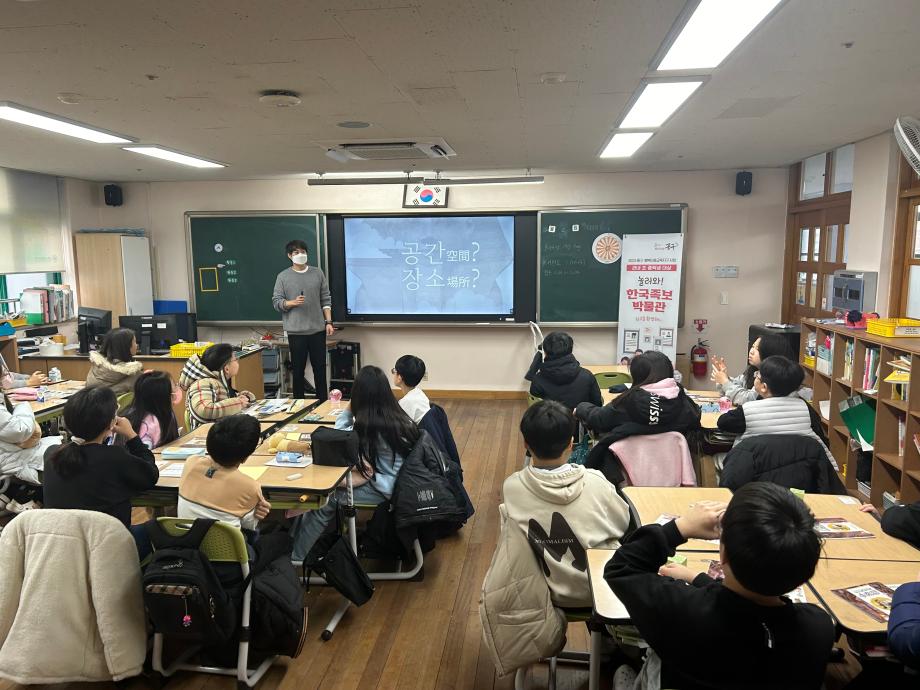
<point x="114" y="273"/>
<point x="895" y="458"/>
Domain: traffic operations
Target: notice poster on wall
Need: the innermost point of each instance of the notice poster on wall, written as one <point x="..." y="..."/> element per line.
<point x="650" y="294"/>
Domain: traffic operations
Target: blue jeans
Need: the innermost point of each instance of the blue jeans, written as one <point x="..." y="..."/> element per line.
<point x="310" y="526"/>
<point x="141" y="540"/>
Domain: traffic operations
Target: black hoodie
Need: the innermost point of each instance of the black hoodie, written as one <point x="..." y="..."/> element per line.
<point x="564" y="380"/>
<point x="653" y="409"/>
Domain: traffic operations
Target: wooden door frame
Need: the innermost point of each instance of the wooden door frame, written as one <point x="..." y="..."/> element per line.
<point x="902" y="250"/>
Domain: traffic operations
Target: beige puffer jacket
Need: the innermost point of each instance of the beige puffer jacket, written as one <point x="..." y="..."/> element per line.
<point x="520" y="625"/>
<point x="71" y="608"/>
<point x="119" y="376"/>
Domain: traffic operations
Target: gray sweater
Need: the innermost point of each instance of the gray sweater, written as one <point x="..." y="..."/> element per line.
<point x="307" y="318"/>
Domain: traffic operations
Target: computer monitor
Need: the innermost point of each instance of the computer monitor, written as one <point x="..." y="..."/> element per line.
<point x="155" y="334"/>
<point x="92" y="324"/>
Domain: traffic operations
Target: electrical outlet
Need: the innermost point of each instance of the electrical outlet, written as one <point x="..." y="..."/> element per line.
<point x="724" y="271"/>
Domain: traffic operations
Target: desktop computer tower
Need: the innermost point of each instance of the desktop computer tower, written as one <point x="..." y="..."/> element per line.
<point x="344" y="362"/>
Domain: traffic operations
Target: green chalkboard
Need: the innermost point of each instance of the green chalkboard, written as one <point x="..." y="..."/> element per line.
<point x="575" y="285"/>
<point x="236" y="258"/>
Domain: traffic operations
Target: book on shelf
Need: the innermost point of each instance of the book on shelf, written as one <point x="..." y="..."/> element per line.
<point x="824" y="363"/>
<point x="917" y="442"/>
<point x="865" y="488"/>
<point x="871" y="368"/>
<point x="849" y="351"/>
<point x="859" y="416"/>
<point x="902" y="433"/>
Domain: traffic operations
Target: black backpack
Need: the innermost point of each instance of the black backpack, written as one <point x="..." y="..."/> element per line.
<point x="182" y="593"/>
<point x="278" y="617"/>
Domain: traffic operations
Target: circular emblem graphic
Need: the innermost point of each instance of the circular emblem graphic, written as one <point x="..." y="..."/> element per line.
<point x="426" y="195"/>
<point x="218" y="247"/>
<point x="607" y="248"/>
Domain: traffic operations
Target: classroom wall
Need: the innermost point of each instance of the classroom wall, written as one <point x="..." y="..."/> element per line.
<point x="872" y="210"/>
<point x="723" y="228"/>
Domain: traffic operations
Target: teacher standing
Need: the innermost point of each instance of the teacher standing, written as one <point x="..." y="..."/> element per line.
<point x="301" y="294"/>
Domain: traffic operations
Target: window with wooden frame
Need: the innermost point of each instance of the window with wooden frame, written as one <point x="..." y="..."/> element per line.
<point x="817" y="232"/>
<point x="905" y="261"/>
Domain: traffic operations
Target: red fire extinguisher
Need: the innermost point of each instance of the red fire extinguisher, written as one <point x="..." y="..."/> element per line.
<point x="699" y="358"/>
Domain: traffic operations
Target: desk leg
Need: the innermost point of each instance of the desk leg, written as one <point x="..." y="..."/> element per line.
<point x="353" y="540"/>
<point x="594" y="663"/>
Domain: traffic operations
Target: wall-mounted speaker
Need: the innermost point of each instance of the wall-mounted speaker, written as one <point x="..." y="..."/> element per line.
<point x="744" y="183"/>
<point x="113" y="195"/>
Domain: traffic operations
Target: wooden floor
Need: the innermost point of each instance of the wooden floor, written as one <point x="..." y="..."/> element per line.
<point x="424" y="634"/>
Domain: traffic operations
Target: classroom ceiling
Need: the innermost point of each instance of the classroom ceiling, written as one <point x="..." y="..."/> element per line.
<point x="186" y="74"/>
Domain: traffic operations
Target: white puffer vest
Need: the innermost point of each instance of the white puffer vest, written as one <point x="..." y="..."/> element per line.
<point x="779" y="416"/>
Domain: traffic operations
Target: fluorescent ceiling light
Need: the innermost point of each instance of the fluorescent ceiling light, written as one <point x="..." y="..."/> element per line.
<point x="52" y="123"/>
<point x="527" y="179"/>
<point x="368" y="173"/>
<point x="174" y="156"/>
<point x="348" y="181"/>
<point x="657" y="103"/>
<point x="625" y="144"/>
<point x="714" y="30"/>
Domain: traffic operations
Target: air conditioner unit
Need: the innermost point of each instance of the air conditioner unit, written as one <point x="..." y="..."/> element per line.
<point x="393" y="150"/>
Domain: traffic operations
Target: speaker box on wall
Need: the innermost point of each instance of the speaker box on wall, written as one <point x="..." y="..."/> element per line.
<point x="744" y="183"/>
<point x="112" y="194"/>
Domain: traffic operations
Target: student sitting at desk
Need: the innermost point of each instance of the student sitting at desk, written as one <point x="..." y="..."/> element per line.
<point x="654" y="404"/>
<point x="10" y="379"/>
<point x="89" y="473"/>
<point x="555" y="374"/>
<point x="151" y="412"/>
<point x="113" y="365"/>
<point x="407" y="375"/>
<point x="386" y="436"/>
<point x="779" y="410"/>
<point x="740" y="389"/>
<point x="741" y="632"/>
<point x="206" y="382"/>
<point x="212" y="485"/>
<point x="904" y="624"/>
<point x="563" y="509"/>
<point x="22" y="447"/>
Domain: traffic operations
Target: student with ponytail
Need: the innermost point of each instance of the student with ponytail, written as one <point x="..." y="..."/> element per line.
<point x="89" y="473"/>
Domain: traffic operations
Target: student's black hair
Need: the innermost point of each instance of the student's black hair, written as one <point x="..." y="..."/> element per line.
<point x="411" y="368"/>
<point x="216" y="357"/>
<point x="233" y="439"/>
<point x="116" y="345"/>
<point x="557" y="344"/>
<point x="769" y="539"/>
<point x="649" y="367"/>
<point x="7" y="403"/>
<point x="87" y="414"/>
<point x="295" y="244"/>
<point x="771" y="344"/>
<point x="153" y="396"/>
<point x="378" y="417"/>
<point x="782" y="375"/>
<point x="547" y="428"/>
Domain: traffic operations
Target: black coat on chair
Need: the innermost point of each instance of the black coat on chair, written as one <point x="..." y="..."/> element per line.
<point x="790" y="460"/>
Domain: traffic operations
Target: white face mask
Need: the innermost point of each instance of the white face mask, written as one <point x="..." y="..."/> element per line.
<point x="300" y="259"/>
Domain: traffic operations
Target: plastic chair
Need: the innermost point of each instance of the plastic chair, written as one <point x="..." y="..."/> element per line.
<point x="533" y="399"/>
<point x="124" y="401"/>
<point x="399" y="574"/>
<point x="606" y="379"/>
<point x="224" y="544"/>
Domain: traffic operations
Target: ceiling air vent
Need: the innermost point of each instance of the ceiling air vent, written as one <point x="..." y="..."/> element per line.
<point x="391" y="150"/>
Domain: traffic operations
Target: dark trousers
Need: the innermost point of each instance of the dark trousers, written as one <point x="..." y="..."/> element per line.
<point x="312" y="347"/>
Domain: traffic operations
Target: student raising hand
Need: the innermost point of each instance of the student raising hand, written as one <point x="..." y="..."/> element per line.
<point x="702" y="521"/>
<point x="719" y="371"/>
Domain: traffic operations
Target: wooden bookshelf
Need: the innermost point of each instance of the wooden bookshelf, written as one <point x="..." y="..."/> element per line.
<point x="893" y="470"/>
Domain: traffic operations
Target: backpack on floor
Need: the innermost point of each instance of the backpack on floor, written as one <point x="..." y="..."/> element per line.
<point x="182" y="593"/>
<point x="278" y="617"/>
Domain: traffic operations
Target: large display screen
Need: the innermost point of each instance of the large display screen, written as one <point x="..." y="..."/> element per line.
<point x="430" y="265"/>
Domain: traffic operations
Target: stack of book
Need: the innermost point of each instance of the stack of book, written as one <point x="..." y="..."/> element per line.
<point x="848" y="354"/>
<point x="870" y="372"/>
<point x="899" y="377"/>
<point x="825" y="357"/>
<point x="50" y="304"/>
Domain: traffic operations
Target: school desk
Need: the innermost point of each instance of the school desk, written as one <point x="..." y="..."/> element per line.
<point x="650" y="502"/>
<point x="881" y="547"/>
<point x="202" y="432"/>
<point x="834" y="574"/>
<point x="608" y="608"/>
<point x="265" y="449"/>
<point x="325" y="413"/>
<point x="299" y="407"/>
<point x="75" y="366"/>
<point x="53" y="406"/>
<point x="606" y="368"/>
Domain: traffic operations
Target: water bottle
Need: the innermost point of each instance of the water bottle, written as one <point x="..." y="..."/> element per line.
<point x="55" y="375"/>
<point x="335" y="397"/>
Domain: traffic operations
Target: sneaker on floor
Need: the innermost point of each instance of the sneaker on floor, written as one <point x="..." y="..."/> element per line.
<point x="624" y="678"/>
